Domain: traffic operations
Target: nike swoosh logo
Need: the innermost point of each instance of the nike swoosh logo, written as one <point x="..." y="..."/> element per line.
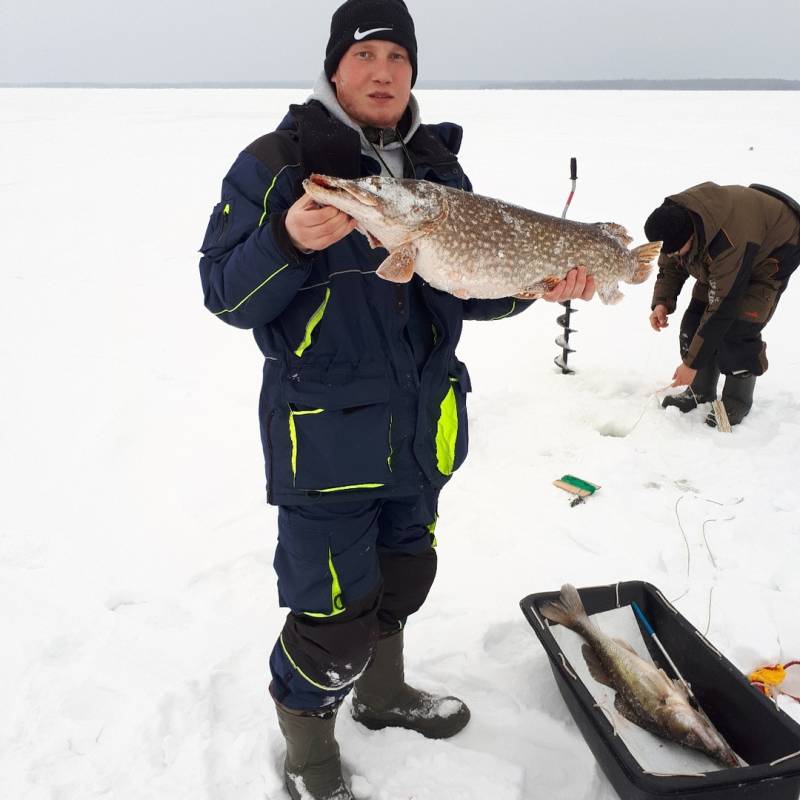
<point x="359" y="34"/>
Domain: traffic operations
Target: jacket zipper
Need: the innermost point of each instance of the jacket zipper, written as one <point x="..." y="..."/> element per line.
<point x="399" y="307"/>
<point x="270" y="481"/>
<point x="226" y="213"/>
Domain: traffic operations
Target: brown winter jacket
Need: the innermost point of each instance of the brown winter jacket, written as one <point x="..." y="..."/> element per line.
<point x="743" y="236"/>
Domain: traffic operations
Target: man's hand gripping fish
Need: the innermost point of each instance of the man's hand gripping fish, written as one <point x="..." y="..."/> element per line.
<point x="473" y="246"/>
<point x="645" y="695"/>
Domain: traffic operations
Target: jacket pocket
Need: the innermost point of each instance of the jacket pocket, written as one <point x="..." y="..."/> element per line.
<point x="323" y="570"/>
<point x="216" y="233"/>
<point x="452" y="431"/>
<point x="758" y="303"/>
<point x="788" y="258"/>
<point x="339" y="435"/>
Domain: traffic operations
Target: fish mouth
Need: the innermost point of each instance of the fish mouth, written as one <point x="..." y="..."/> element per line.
<point x="322" y="187"/>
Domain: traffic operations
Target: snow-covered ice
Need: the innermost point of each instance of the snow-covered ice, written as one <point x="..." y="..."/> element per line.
<point x="137" y="592"/>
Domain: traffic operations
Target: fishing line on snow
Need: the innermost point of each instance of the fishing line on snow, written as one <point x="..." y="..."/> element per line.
<point x="733" y="502"/>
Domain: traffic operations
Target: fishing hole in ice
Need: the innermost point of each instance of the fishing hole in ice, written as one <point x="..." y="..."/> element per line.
<point x="614" y="429"/>
<point x="619" y="431"/>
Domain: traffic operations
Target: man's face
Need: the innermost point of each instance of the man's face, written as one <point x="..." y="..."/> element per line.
<point x="681" y="254"/>
<point x="373" y="82"/>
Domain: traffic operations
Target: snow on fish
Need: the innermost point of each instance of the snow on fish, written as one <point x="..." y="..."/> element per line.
<point x="474" y="246"/>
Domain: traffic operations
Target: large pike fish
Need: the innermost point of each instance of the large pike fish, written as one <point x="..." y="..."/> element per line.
<point x="473" y="246"/>
<point x="645" y="695"/>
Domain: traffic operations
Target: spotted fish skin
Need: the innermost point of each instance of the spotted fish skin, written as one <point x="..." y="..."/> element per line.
<point x="645" y="695"/>
<point x="475" y="246"/>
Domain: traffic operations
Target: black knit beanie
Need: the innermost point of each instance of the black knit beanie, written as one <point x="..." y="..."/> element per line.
<point x="359" y="20"/>
<point x="671" y="224"/>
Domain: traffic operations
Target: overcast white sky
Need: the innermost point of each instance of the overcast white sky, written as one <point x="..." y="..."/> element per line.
<point x="165" y="41"/>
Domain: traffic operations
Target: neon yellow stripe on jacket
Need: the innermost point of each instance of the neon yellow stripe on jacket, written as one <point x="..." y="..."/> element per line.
<point x="315" y="319"/>
<point x="337" y="603"/>
<point x="354" y="486"/>
<point x="245" y="299"/>
<point x="293" y="435"/>
<point x="508" y="313"/>
<point x="447" y="432"/>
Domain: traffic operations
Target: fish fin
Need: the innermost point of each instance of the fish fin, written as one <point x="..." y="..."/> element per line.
<point x="537" y="290"/>
<point x="632" y="715"/>
<point x="596" y="669"/>
<point x="681" y="689"/>
<point x="626" y="709"/>
<point x="609" y="293"/>
<point x="615" y="231"/>
<point x="567" y="610"/>
<point x="399" y="266"/>
<point x="643" y="256"/>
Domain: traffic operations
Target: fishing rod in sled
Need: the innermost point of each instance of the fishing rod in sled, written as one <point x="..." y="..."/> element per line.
<point x="562" y="340"/>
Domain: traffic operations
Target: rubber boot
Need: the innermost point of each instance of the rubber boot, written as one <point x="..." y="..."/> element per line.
<point x="737" y="397"/>
<point x="312" y="770"/>
<point x="382" y="698"/>
<point x="702" y="390"/>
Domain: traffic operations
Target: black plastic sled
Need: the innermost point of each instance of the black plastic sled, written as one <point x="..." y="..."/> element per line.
<point x="764" y="736"/>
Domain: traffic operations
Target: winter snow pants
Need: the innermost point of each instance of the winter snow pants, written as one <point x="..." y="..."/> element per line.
<point x="350" y="572"/>
<point x="741" y="350"/>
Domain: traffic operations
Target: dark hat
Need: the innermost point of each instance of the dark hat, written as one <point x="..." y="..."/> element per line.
<point x="671" y="224"/>
<point x="360" y="20"/>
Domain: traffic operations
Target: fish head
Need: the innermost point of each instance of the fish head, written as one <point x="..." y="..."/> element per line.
<point x="390" y="211"/>
<point x="696" y="730"/>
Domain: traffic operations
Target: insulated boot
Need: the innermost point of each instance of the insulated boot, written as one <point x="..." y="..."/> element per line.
<point x="382" y="698"/>
<point x="312" y="770"/>
<point x="702" y="390"/>
<point x="737" y="397"/>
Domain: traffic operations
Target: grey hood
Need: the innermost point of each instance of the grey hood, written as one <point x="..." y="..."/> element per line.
<point x="391" y="153"/>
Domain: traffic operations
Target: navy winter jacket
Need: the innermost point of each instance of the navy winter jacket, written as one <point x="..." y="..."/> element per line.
<point x="362" y="392"/>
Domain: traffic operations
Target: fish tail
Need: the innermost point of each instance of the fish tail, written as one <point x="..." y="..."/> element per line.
<point x="567" y="610"/>
<point x="643" y="256"/>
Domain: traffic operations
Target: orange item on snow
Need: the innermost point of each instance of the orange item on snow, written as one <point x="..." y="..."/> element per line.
<point x="769" y="678"/>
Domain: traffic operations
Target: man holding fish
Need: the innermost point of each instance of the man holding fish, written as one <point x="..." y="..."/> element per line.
<point x="363" y="404"/>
